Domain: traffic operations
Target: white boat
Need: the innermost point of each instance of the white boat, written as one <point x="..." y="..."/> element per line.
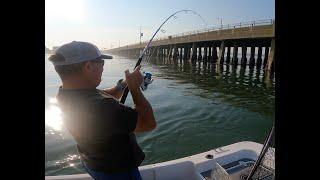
<point x="233" y="162"/>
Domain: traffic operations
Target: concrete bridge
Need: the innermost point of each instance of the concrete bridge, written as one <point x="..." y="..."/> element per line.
<point x="210" y="45"/>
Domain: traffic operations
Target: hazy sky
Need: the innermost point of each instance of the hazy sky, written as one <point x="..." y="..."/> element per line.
<point x="108" y="22"/>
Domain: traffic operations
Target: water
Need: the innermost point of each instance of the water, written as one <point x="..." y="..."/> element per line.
<point x="198" y="107"/>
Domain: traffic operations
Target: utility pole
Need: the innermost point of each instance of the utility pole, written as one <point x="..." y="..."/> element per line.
<point x="140" y="34"/>
<point x="220" y="22"/>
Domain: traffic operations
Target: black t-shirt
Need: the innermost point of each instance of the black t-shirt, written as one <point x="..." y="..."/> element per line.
<point x="103" y="129"/>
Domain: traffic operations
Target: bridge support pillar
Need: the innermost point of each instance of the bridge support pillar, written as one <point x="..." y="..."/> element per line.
<point x="221" y="53"/>
<point x="271" y="56"/>
<point x="175" y="49"/>
<point x="214" y="54"/>
<point x="170" y="52"/>
<point x="163" y="51"/>
<point x="244" y="56"/>
<point x="252" y="59"/>
<point x="259" y="59"/>
<point x="200" y="54"/>
<point x="185" y="53"/>
<point x="266" y="54"/>
<point x="235" y="55"/>
<point x="150" y="52"/>
<point x="205" y="55"/>
<point x="166" y="52"/>
<point x="210" y="52"/>
<point x="157" y="51"/>
<point x="193" y="52"/>
<point x="228" y="55"/>
<point x="188" y="52"/>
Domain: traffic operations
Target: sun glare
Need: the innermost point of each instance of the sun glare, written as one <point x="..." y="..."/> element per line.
<point x="70" y="10"/>
<point x="53" y="100"/>
<point x="53" y="118"/>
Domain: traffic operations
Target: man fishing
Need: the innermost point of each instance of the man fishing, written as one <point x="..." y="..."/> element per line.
<point x="102" y="127"/>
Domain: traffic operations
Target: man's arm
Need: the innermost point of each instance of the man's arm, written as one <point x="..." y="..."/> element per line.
<point x="114" y="91"/>
<point x="146" y="120"/>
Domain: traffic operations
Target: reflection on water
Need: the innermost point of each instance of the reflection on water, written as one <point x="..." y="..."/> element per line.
<point x="198" y="106"/>
<point x="71" y="161"/>
<point x="238" y="85"/>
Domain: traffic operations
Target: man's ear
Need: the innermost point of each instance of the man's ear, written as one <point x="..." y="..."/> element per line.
<point x="87" y="67"/>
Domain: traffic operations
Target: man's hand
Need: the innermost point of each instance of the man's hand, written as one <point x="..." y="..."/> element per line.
<point x="134" y="79"/>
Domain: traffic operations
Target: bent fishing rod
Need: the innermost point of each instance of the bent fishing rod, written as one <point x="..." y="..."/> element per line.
<point x="126" y="90"/>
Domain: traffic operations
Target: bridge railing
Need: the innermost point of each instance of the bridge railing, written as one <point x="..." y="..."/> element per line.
<point x="217" y="28"/>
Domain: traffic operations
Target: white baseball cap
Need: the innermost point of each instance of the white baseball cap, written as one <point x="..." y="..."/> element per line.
<point x="76" y="52"/>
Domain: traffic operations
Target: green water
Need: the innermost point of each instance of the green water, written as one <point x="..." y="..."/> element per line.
<point x="198" y="107"/>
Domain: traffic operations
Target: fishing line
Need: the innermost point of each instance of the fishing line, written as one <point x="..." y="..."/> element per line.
<point x="126" y="91"/>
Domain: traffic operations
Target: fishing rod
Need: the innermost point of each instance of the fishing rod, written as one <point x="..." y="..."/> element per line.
<point x="126" y="90"/>
<point x="264" y="150"/>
